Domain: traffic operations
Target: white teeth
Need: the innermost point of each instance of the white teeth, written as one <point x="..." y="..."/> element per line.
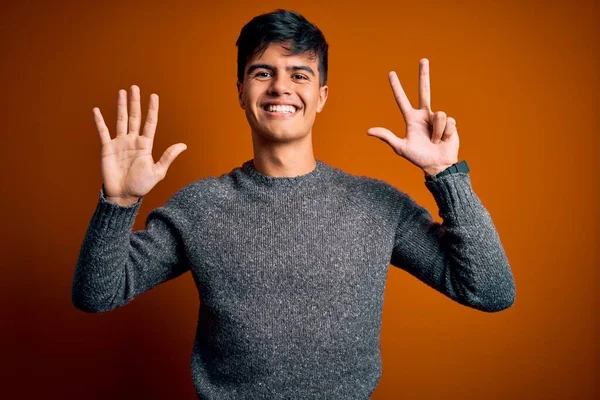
<point x="281" y="108"/>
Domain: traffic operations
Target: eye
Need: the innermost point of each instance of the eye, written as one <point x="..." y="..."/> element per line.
<point x="299" y="76"/>
<point x="263" y="74"/>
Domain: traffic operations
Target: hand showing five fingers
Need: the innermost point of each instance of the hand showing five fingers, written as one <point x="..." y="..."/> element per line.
<point x="431" y="141"/>
<point x="128" y="170"/>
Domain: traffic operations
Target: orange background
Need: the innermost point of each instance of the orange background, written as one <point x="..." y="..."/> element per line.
<point x="520" y="78"/>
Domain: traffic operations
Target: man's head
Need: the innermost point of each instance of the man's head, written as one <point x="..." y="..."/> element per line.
<point x="282" y="74"/>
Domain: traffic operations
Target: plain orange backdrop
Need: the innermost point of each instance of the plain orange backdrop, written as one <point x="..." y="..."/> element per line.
<point x="519" y="77"/>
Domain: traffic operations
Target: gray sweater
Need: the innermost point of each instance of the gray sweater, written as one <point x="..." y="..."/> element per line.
<point x="291" y="272"/>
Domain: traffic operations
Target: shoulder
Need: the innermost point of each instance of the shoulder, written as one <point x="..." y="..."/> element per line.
<point x="380" y="199"/>
<point x="376" y="198"/>
<point x="204" y="191"/>
<point x="367" y="189"/>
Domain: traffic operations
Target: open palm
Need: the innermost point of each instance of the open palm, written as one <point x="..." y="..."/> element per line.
<point x="128" y="169"/>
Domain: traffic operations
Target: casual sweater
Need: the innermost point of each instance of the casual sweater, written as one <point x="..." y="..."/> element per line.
<point x="291" y="272"/>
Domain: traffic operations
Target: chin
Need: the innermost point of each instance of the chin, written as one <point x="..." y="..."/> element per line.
<point x="280" y="135"/>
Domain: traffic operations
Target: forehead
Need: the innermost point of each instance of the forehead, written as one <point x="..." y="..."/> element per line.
<point x="278" y="54"/>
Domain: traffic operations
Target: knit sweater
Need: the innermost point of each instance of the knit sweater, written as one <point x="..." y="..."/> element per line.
<point x="291" y="272"/>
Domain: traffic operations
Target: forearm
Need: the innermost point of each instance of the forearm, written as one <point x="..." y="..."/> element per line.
<point x="116" y="264"/>
<point x="100" y="273"/>
<point x="462" y="257"/>
<point x="476" y="267"/>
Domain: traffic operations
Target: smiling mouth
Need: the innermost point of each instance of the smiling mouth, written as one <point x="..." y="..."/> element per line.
<point x="280" y="109"/>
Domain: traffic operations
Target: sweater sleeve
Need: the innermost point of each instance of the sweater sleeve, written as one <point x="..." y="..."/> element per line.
<point x="116" y="264"/>
<point x="462" y="257"/>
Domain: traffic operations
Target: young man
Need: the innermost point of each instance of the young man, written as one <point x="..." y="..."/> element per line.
<point x="290" y="254"/>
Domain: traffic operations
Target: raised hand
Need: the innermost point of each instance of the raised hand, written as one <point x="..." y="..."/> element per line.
<point x="128" y="170"/>
<point x="431" y="141"/>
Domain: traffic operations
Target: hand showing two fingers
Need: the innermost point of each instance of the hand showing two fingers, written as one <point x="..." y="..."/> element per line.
<point x="431" y="142"/>
<point x="128" y="169"/>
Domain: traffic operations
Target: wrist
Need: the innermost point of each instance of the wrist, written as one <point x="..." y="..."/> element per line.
<point x="125" y="202"/>
<point x="452" y="169"/>
<point x="120" y="200"/>
<point x="430" y="171"/>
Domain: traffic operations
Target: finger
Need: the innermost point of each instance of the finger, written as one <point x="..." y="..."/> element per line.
<point x="424" y="85"/>
<point x="135" y="110"/>
<point x="396" y="143"/>
<point x="101" y="126"/>
<point x="450" y="129"/>
<point x="439" y="125"/>
<point x="122" y="113"/>
<point x="167" y="158"/>
<point x="151" y="117"/>
<point x="399" y="95"/>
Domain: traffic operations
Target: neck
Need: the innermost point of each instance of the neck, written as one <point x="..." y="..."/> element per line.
<point x="284" y="159"/>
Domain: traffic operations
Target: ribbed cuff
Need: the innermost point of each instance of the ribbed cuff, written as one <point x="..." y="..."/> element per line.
<point x="454" y="196"/>
<point x="110" y="218"/>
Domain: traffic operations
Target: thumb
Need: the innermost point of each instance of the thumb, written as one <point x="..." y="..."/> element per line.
<point x="396" y="143"/>
<point x="167" y="158"/>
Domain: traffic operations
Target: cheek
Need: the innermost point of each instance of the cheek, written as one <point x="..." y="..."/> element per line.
<point x="250" y="94"/>
<point x="310" y="100"/>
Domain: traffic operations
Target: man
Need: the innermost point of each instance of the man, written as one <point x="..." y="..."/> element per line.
<point x="289" y="254"/>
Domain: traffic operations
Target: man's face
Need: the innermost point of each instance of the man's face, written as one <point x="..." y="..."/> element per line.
<point x="281" y="94"/>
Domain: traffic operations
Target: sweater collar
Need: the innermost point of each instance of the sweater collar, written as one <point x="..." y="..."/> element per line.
<point x="311" y="178"/>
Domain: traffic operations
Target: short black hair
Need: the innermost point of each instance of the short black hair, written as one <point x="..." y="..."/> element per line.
<point x="277" y="27"/>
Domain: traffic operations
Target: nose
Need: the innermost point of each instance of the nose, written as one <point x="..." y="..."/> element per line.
<point x="280" y="84"/>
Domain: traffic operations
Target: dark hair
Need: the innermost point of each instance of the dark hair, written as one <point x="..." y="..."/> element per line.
<point x="277" y="27"/>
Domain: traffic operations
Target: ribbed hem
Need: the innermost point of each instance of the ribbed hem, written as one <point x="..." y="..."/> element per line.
<point x="454" y="196"/>
<point x="113" y="218"/>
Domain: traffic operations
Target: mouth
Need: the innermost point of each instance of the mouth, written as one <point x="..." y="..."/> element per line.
<point x="280" y="109"/>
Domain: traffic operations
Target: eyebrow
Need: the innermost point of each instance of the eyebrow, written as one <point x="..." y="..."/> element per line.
<point x="306" y="68"/>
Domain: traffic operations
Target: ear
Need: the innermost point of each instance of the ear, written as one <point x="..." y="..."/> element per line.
<point x="323" y="92"/>
<point x="240" y="89"/>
